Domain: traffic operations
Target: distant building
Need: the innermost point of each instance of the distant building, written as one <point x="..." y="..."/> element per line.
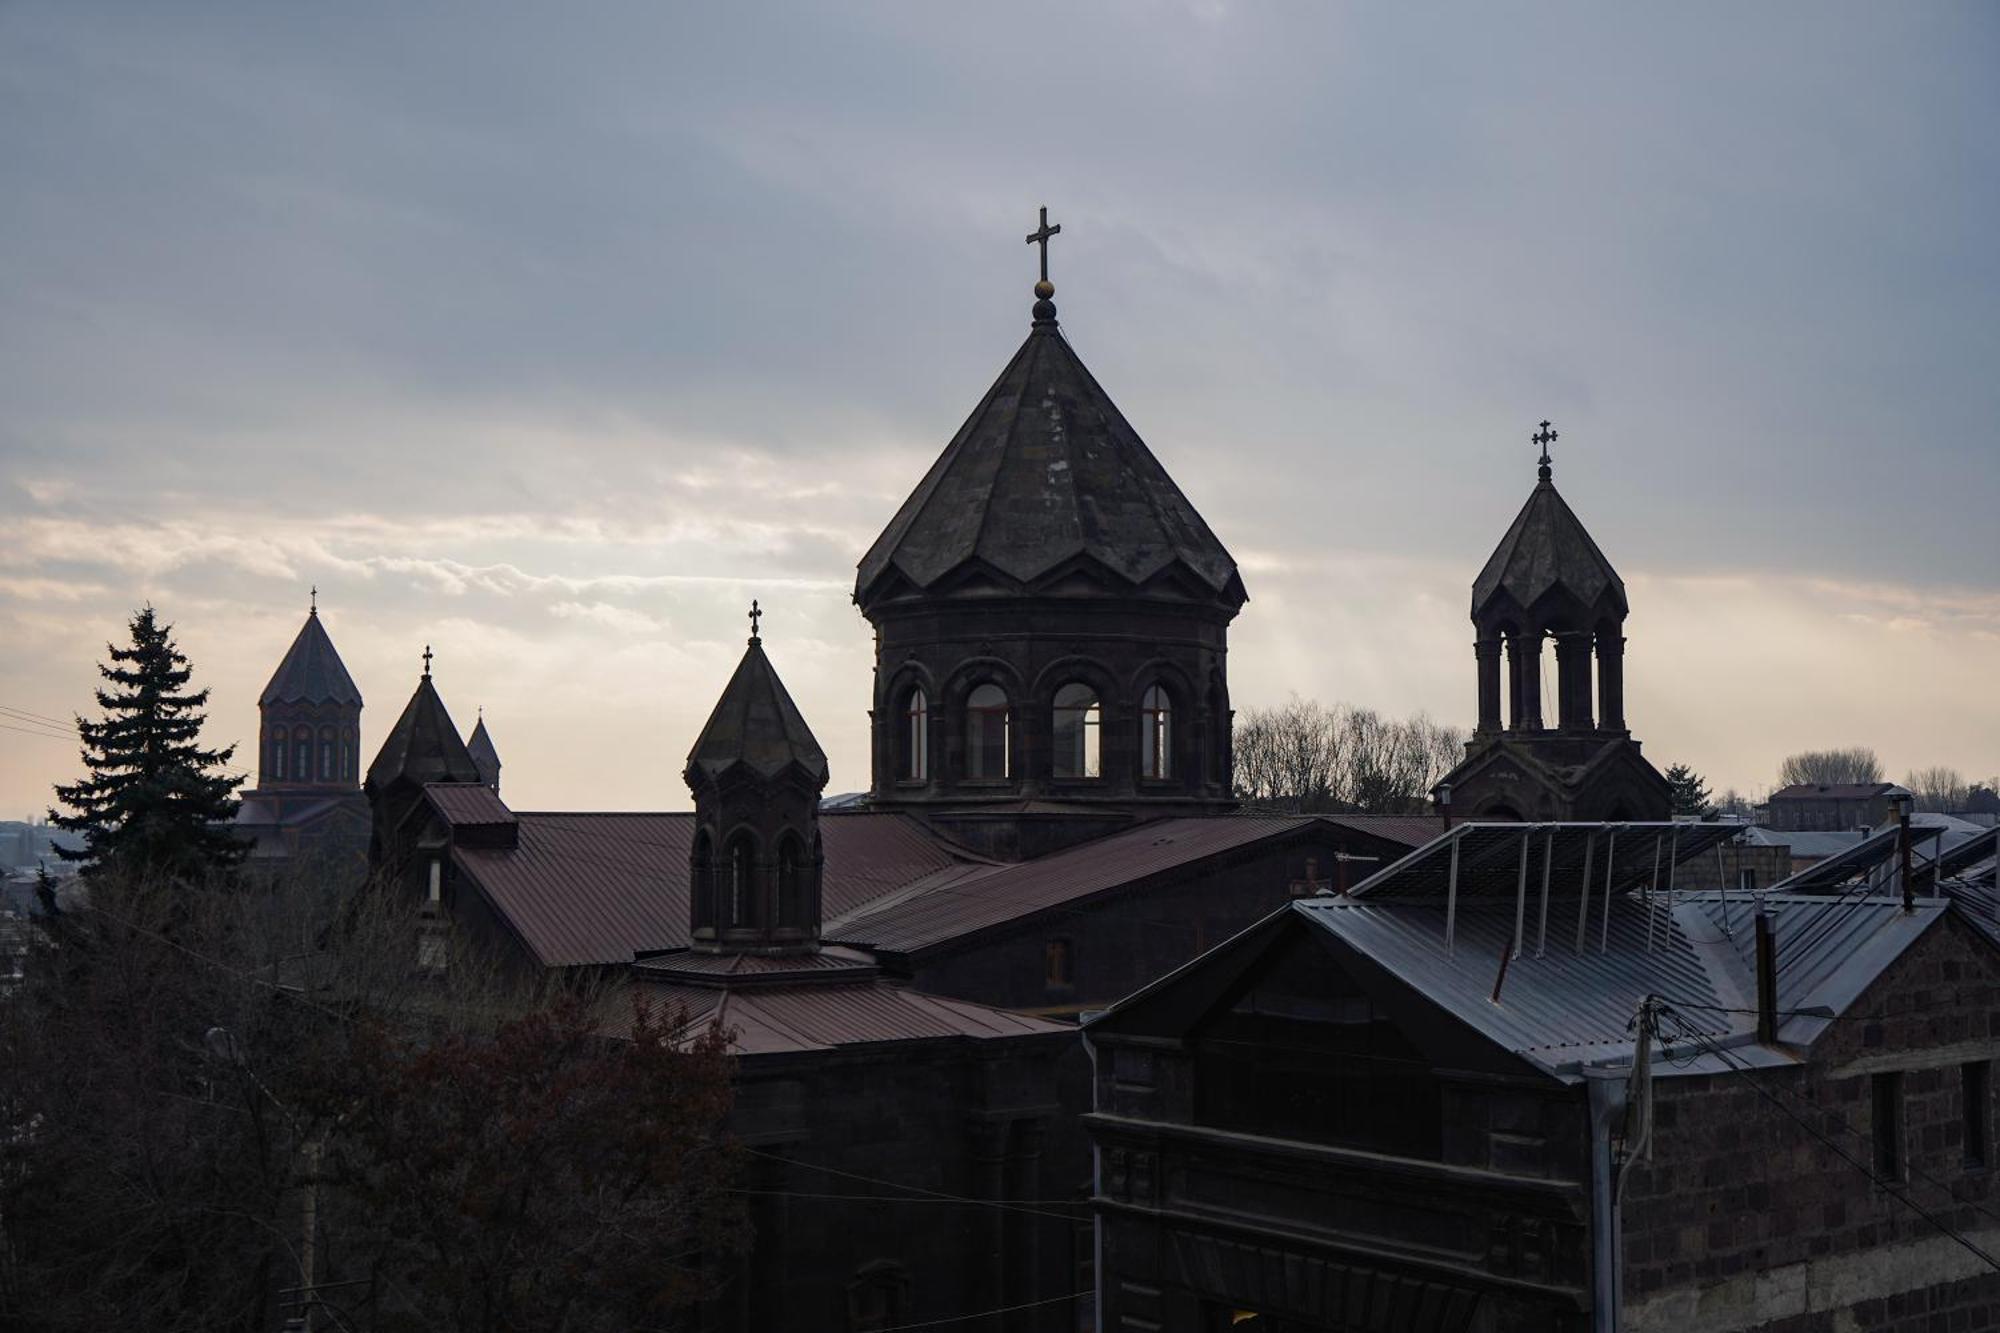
<point x="1548" y="580"/>
<point x="1830" y="807"/>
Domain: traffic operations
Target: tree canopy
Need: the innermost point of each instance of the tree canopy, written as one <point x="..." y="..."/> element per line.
<point x="1855" y="764"/>
<point x="151" y="802"/>
<point x="1304" y="757"/>
<point x="1688" y="792"/>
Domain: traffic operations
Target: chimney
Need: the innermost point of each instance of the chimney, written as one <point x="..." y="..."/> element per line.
<point x="1767" y="981"/>
<point x="1900" y="802"/>
<point x="1442" y="795"/>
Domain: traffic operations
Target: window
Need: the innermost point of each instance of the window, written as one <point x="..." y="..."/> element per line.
<point x="915" y="742"/>
<point x="1156" y="733"/>
<point x="1057" y="968"/>
<point x="435" y="894"/>
<point x="1076" y="732"/>
<point x="326" y="771"/>
<point x="986" y="733"/>
<point x="702" y="872"/>
<point x="1973" y="1101"/>
<point x="348" y="745"/>
<point x="741" y="868"/>
<point x="278" y="755"/>
<point x="1887" y="1122"/>
<point x="792" y="882"/>
<point x="302" y="755"/>
<point x="1746" y="879"/>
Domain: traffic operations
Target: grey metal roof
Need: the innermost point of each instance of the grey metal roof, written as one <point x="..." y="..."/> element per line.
<point x="1485" y="860"/>
<point x="1546" y="556"/>
<point x="311" y="671"/>
<point x="755" y="723"/>
<point x="1876" y="859"/>
<point x="1044" y="471"/>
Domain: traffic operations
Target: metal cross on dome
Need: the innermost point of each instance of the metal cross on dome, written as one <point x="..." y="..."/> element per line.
<point x="1544" y="437"/>
<point x="756" y="614"/>
<point x="427" y="660"/>
<point x="1040" y="236"/>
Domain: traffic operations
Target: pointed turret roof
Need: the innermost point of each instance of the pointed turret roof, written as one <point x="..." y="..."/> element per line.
<point x="1547" y="552"/>
<point x="312" y="671"/>
<point x="1046" y="469"/>
<point x="423" y="746"/>
<point x="484" y="757"/>
<point x="756" y="723"/>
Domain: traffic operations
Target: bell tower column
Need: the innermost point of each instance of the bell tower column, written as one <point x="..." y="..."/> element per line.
<point x="1524" y="665"/>
<point x="1611" y="679"/>
<point x="1486" y="650"/>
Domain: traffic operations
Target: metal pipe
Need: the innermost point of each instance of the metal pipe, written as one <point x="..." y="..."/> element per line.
<point x="1653" y="889"/>
<point x="1548" y="863"/>
<point x="1451" y="899"/>
<point x="1604" y="929"/>
<point x="1521" y="890"/>
<point x="1607" y="1106"/>
<point x="1583" y="896"/>
<point x="1903" y="852"/>
<point x="1767" y="980"/>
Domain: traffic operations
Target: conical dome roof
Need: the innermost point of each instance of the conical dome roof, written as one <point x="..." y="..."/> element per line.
<point x="312" y="671"/>
<point x="756" y="723"/>
<point x="1046" y="469"/>
<point x="423" y="746"/>
<point x="1547" y="554"/>
<point x="484" y="756"/>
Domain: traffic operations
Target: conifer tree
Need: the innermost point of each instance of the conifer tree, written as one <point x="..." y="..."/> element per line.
<point x="148" y="805"/>
<point x="1688" y="792"/>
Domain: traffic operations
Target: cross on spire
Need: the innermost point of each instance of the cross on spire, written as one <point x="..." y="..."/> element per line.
<point x="427" y="661"/>
<point x="1040" y="236"/>
<point x="1544" y="437"/>
<point x="756" y="614"/>
<point x="315" y="599"/>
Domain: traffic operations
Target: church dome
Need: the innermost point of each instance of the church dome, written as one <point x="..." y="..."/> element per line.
<point x="1547" y="564"/>
<point x="1044" y="473"/>
<point x="312" y="672"/>
<point x="755" y="723"/>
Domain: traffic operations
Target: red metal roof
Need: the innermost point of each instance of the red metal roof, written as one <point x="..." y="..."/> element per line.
<point x="469" y="803"/>
<point x="587" y="888"/>
<point x="964" y="900"/>
<point x="811" y="1017"/>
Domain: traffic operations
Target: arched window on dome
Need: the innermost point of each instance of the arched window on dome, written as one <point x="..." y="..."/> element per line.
<point x="302" y="754"/>
<point x="740" y="887"/>
<point x="986" y="733"/>
<point x="278" y="754"/>
<point x="327" y="772"/>
<point x="1156" y="733"/>
<point x="701" y="887"/>
<point x="349" y="744"/>
<point x="793" y="879"/>
<point x="1076" y="732"/>
<point x="913" y="744"/>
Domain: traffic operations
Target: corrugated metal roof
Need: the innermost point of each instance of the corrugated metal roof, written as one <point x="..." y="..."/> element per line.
<point x="1568" y="1007"/>
<point x="965" y="900"/>
<point x="810" y="1017"/>
<point x="585" y="888"/>
<point x="469" y="803"/>
<point x="1830" y="791"/>
<point x="1410" y="830"/>
<point x="1488" y="859"/>
<point x="696" y="968"/>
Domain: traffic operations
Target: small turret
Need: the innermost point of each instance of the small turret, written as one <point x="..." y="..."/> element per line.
<point x="484" y="757"/>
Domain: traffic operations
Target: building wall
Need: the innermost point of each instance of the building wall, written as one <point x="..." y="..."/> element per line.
<point x="1744" y="1219"/>
<point x="1724" y="867"/>
<point x="959" y="1119"/>
<point x="1826" y="814"/>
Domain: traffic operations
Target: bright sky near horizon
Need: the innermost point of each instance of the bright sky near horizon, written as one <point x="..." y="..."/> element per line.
<point x="552" y="338"/>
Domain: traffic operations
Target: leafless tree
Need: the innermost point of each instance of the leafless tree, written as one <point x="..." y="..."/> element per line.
<point x="1856" y="763"/>
<point x="1938" y="789"/>
<point x="1303" y="756"/>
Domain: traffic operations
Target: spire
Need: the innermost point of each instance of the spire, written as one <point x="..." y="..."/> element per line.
<point x="1045" y="308"/>
<point x="755" y="723"/>
<point x="485" y="758"/>
<point x="423" y="746"/>
<point x="1548" y="561"/>
<point x="311" y="672"/>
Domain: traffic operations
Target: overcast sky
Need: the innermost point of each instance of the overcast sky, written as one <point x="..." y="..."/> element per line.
<point x="551" y="336"/>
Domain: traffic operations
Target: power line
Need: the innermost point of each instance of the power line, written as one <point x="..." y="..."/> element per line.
<point x="45" y="735"/>
<point x="33" y="716"/>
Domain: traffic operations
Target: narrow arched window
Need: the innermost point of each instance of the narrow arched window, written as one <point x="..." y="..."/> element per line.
<point x="278" y="754"/>
<point x="326" y="769"/>
<point x="302" y="755"/>
<point x="914" y="745"/>
<point x="741" y="889"/>
<point x="701" y="874"/>
<point x="792" y="878"/>
<point x="986" y="733"/>
<point x="347" y="749"/>
<point x="1076" y="732"/>
<point x="1156" y="733"/>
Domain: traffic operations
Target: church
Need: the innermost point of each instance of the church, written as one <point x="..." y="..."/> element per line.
<point x="1050" y="825"/>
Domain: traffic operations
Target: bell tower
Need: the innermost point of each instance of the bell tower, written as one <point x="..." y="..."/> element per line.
<point x="309" y="733"/>
<point x="756" y="773"/>
<point x="1569" y="757"/>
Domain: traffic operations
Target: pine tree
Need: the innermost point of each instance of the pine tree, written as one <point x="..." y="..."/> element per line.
<point x="148" y="807"/>
<point x="1687" y="792"/>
